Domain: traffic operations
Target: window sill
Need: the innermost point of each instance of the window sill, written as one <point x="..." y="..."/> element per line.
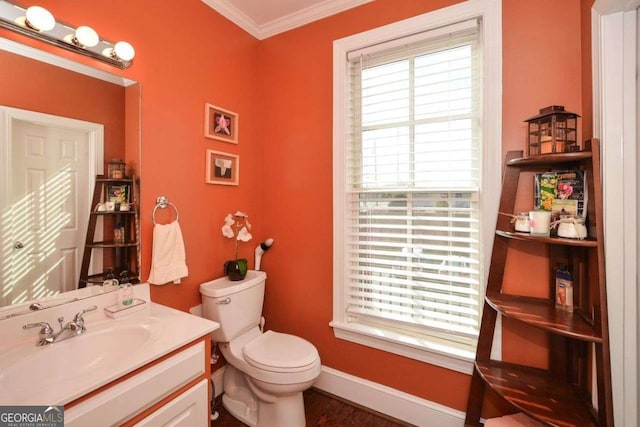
<point x="434" y="352"/>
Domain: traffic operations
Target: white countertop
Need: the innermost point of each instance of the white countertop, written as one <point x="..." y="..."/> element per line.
<point x="54" y="380"/>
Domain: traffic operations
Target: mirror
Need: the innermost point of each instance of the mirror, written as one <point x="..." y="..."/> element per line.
<point x="98" y="114"/>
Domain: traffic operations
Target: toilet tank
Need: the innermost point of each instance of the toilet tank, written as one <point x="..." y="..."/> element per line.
<point x="235" y="305"/>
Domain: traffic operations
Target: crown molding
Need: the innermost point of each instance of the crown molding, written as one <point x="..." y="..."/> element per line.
<point x="233" y="14"/>
<point x="308" y="15"/>
<point x="285" y="23"/>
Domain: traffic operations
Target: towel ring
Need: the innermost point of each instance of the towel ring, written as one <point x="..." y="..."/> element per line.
<point x="162" y="202"/>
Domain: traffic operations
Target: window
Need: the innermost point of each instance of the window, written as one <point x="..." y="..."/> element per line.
<point x="409" y="191"/>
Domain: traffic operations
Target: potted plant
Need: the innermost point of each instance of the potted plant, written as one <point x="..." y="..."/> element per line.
<point x="238" y="226"/>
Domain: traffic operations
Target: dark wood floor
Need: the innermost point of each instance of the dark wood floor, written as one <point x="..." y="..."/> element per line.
<point x="323" y="410"/>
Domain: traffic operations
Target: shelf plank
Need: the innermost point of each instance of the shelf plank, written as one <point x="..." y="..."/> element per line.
<point x="102" y="179"/>
<point x="546" y="160"/>
<point x="130" y="212"/>
<point x="586" y="243"/>
<point x="101" y="277"/>
<point x="107" y="244"/>
<point x="543" y="314"/>
<point x="537" y="393"/>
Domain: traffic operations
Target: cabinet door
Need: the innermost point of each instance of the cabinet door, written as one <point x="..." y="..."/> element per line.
<point x="126" y="399"/>
<point x="190" y="409"/>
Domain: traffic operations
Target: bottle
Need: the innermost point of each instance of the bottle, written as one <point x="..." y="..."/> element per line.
<point x="564" y="289"/>
<point x="118" y="233"/>
<point x="125" y="293"/>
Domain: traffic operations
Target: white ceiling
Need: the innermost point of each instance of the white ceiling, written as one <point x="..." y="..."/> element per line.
<point x="265" y="18"/>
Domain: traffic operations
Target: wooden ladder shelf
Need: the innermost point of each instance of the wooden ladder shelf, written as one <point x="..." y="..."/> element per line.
<point x="561" y="394"/>
<point x="119" y="255"/>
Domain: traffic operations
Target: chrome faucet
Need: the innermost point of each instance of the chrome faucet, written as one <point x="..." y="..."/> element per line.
<point x="68" y="330"/>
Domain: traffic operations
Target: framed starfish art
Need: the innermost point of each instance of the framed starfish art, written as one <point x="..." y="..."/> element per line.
<point x="220" y="124"/>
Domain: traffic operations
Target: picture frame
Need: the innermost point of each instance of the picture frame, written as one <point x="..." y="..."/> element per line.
<point x="220" y="124"/>
<point x="222" y="168"/>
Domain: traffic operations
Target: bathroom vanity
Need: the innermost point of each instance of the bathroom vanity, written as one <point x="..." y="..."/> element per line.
<point x="144" y="368"/>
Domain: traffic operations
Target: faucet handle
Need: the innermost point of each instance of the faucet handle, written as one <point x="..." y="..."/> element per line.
<point x="36" y="306"/>
<point x="45" y="328"/>
<point x="46" y="333"/>
<point x="79" y="319"/>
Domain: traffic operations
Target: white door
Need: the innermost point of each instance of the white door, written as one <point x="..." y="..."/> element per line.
<point x="49" y="220"/>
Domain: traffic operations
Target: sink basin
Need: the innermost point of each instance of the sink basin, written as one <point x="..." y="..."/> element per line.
<point x="110" y="349"/>
<point x="103" y="346"/>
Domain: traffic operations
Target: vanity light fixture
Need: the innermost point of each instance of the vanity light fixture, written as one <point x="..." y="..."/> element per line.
<point x="39" y="23"/>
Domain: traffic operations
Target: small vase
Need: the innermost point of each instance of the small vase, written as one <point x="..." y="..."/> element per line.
<point x="236" y="269"/>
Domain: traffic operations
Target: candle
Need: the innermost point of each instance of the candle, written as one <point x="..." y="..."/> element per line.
<point x="539" y="222"/>
<point x="522" y="222"/>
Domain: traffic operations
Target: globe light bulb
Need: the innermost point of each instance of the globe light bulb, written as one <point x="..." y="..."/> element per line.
<point x="124" y="51"/>
<point x="86" y="36"/>
<point x="39" y="19"/>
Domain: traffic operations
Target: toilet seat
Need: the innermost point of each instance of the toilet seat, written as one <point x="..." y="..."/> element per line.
<point x="278" y="352"/>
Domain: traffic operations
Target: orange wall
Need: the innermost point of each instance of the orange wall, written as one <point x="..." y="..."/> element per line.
<point x="587" y="77"/>
<point x="297" y="200"/>
<point x="186" y="55"/>
<point x="282" y="89"/>
<point x="65" y="94"/>
<point x="541" y="66"/>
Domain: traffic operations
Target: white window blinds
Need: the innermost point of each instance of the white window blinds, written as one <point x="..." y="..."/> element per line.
<point x="413" y="180"/>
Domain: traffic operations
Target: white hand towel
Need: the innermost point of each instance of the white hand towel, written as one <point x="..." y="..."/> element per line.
<point x="168" y="260"/>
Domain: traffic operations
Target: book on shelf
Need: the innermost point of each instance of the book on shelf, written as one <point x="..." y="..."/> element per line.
<point x="118" y="193"/>
<point x="561" y="193"/>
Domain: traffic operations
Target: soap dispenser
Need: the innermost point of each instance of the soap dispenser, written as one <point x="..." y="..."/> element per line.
<point x="125" y="293"/>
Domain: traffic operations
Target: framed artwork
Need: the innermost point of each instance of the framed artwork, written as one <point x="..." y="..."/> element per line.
<point x="222" y="168"/>
<point x="220" y="124"/>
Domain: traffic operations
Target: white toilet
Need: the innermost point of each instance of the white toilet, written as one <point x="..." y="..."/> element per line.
<point x="269" y="371"/>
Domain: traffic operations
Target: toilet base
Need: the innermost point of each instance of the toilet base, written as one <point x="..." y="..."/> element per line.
<point x="243" y="400"/>
<point x="287" y="411"/>
<point x="238" y="398"/>
<point x="240" y="411"/>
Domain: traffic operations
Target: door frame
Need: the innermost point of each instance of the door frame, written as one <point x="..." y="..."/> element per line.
<point x="615" y="121"/>
<point x="95" y="139"/>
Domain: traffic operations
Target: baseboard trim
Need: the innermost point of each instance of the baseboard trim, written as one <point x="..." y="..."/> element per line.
<point x="377" y="397"/>
<point x="386" y="400"/>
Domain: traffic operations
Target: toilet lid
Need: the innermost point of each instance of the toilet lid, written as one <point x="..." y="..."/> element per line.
<point x="274" y="351"/>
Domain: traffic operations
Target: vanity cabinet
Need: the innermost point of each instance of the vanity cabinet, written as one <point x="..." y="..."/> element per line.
<point x="172" y="390"/>
<point x="113" y="231"/>
<point x="579" y="369"/>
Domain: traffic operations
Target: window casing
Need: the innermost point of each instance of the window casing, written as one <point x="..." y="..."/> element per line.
<point x="408" y="192"/>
